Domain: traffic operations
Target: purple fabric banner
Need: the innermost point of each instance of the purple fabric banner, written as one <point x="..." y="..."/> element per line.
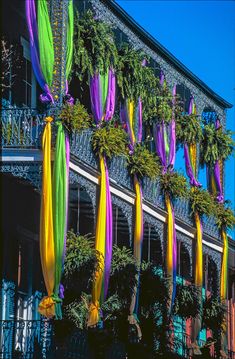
<point x="109" y="235"/>
<point x="33" y="36"/>
<point x="140" y="121"/>
<point x="160" y="145"/>
<point x="67" y="150"/>
<point x="217" y="173"/>
<point x="96" y="103"/>
<point x="172" y="135"/>
<point x="174" y="256"/>
<point x="189" y="169"/>
<point x="110" y="103"/>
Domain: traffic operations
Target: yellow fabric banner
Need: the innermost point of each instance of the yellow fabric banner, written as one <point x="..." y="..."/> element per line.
<point x="199" y="253"/>
<point x="169" y="250"/>
<point x="224" y="269"/>
<point x="100" y="246"/>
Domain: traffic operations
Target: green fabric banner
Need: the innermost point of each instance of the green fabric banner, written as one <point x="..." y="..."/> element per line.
<point x="45" y="39"/>
<point x="59" y="193"/>
<point x="70" y="30"/>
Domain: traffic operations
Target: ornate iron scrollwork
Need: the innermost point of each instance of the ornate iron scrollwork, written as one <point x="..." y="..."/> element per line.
<point x="75" y="178"/>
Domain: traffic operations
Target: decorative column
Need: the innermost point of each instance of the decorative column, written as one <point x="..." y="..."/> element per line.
<point x="59" y="20"/>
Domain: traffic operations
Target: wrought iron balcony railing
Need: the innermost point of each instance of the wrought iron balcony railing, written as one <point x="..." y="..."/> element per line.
<point x="24" y="339"/>
<point x="22" y="128"/>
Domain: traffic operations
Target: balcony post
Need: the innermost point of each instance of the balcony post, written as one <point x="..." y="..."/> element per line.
<point x="59" y="20"/>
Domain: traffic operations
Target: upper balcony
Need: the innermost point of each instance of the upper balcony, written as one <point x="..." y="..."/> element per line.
<point x="22" y="130"/>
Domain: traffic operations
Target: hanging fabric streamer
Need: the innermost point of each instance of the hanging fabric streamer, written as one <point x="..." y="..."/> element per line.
<point x="224" y="270"/>
<point x="60" y="195"/>
<point x="54" y="201"/>
<point x="47" y="305"/>
<point x="214" y="175"/>
<point x="34" y="48"/>
<point x="131" y="119"/>
<point x="102" y="94"/>
<point x="42" y="47"/>
<point x="165" y="142"/>
<point x="190" y="153"/>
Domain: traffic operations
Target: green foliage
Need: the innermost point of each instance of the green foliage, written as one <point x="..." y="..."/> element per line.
<point x="123" y="275"/>
<point x="188" y="129"/>
<point x="214" y="314"/>
<point x="187" y="301"/>
<point x="81" y="262"/>
<point x="78" y="310"/>
<point x="135" y="80"/>
<point x="201" y="201"/>
<point x="75" y="117"/>
<point x="143" y="163"/>
<point x="224" y="216"/>
<point x="174" y="184"/>
<point x="216" y="145"/>
<point x="164" y="104"/>
<point x="167" y="105"/>
<point x="94" y="46"/>
<point x="109" y="140"/>
<point x="154" y="288"/>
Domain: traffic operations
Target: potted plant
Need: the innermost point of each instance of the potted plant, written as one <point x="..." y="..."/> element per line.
<point x="75" y="117"/>
<point x="174" y="184"/>
<point x="143" y="163"/>
<point x="217" y="144"/>
<point x="187" y="304"/>
<point x="109" y="140"/>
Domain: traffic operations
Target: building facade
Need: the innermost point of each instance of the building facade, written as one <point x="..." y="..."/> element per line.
<point x="22" y="124"/>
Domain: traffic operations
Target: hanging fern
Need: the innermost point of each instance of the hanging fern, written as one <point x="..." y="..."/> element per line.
<point x="135" y="80"/>
<point x="201" y="201"/>
<point x="187" y="303"/>
<point x="167" y="105"/>
<point x="143" y="163"/>
<point x="174" y="184"/>
<point x="109" y="140"/>
<point x="216" y="145"/>
<point x="123" y="275"/>
<point x="75" y="117"/>
<point x="224" y="216"/>
<point x="214" y="314"/>
<point x="94" y="46"/>
<point x="188" y="129"/>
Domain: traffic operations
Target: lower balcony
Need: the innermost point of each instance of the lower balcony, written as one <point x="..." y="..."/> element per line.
<point x="35" y="339"/>
<point x="22" y="129"/>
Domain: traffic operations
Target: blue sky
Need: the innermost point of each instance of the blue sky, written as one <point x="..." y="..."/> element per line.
<point x="201" y="34"/>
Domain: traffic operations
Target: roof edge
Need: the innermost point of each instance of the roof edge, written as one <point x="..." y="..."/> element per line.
<point x="167" y="55"/>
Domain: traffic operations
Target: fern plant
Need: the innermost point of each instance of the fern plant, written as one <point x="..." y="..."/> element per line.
<point x="109" y="140"/>
<point x="75" y="117"/>
<point x="82" y="261"/>
<point x="135" y="80"/>
<point x="201" y="202"/>
<point x="174" y="184"/>
<point x="224" y="216"/>
<point x="214" y="312"/>
<point x="187" y="303"/>
<point x="216" y="145"/>
<point x="94" y="46"/>
<point x="123" y="275"/>
<point x="188" y="129"/>
<point x="143" y="163"/>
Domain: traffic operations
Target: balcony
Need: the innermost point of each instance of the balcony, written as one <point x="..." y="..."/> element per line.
<point x="22" y="129"/>
<point x="24" y="339"/>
